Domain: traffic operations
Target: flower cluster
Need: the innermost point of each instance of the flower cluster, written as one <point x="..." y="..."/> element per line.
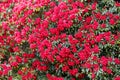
<point x="60" y="40"/>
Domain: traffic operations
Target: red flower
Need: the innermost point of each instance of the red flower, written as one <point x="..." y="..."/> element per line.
<point x="5" y="26"/>
<point x="74" y="49"/>
<point x="87" y="65"/>
<point x="117" y="78"/>
<point x="20" y="72"/>
<point x="104" y="61"/>
<point x="96" y="49"/>
<point x="44" y="68"/>
<point x="98" y="38"/>
<point x="82" y="55"/>
<point x="1" y="72"/>
<point x="37" y="21"/>
<point x="16" y="49"/>
<point x="10" y="78"/>
<point x="104" y="68"/>
<point x="54" y="18"/>
<point x="80" y="18"/>
<point x="93" y="76"/>
<point x="78" y="35"/>
<point x="88" y="20"/>
<point x="94" y="5"/>
<point x="65" y="68"/>
<point x="70" y="1"/>
<point x="33" y="46"/>
<point x="112" y="21"/>
<point x="117" y="61"/>
<point x="81" y="5"/>
<point x="109" y="71"/>
<point x="103" y="25"/>
<point x="73" y="72"/>
<point x="14" y="64"/>
<point x="72" y="16"/>
<point x="52" y="4"/>
<point x="95" y="25"/>
<point x="71" y="63"/>
<point x="18" y="59"/>
<point x="103" y="17"/>
<point x="117" y="4"/>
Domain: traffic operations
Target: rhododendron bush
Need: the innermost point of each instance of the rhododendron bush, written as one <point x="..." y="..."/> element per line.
<point x="59" y="40"/>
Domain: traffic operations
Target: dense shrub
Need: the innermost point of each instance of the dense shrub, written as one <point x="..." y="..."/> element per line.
<point x="59" y="40"/>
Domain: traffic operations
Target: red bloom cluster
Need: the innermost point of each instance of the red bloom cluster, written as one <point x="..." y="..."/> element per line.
<point x="59" y="39"/>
